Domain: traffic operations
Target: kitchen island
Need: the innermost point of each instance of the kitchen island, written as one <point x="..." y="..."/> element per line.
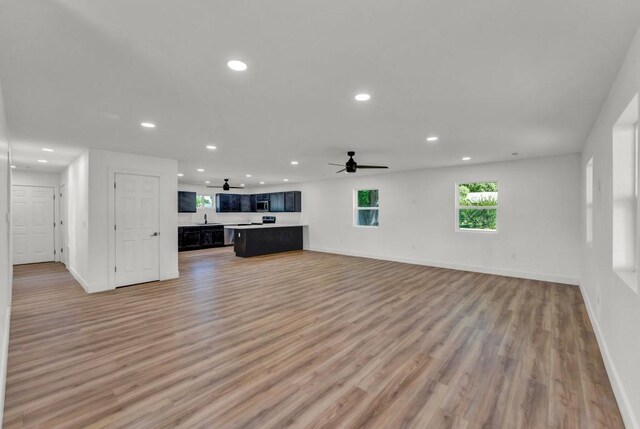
<point x="255" y="240"/>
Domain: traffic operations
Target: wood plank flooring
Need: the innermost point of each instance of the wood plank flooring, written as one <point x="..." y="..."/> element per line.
<point x="303" y="339"/>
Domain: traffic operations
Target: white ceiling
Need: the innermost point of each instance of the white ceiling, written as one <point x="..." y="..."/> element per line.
<point x="488" y="77"/>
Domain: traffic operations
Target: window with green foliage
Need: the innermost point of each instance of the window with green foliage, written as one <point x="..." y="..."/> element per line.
<point x="477" y="206"/>
<point x="366" y="207"/>
<point x="204" y="201"/>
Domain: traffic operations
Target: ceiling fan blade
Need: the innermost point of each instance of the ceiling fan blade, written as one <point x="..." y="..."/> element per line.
<point x="236" y="187"/>
<point x="218" y="187"/>
<point x="371" y="166"/>
<point x="340" y="171"/>
<point x="338" y="165"/>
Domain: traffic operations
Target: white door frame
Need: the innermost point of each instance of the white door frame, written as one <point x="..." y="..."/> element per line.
<point x="62" y="223"/>
<point x="111" y="242"/>
<point x="55" y="220"/>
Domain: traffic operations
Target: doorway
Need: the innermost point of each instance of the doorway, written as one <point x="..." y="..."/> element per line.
<point x="136" y="229"/>
<point x="32" y="224"/>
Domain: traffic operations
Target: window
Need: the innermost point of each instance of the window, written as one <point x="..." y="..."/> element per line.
<point x="477" y="206"/>
<point x="589" y="202"/>
<point x="204" y="201"/>
<point x="367" y="212"/>
<point x="625" y="195"/>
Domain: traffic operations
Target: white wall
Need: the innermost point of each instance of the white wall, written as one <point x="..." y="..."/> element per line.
<point x="5" y="251"/>
<point x="102" y="167"/>
<point x="538" y="219"/>
<point x="613" y="307"/>
<point x="76" y="181"/>
<point x="48" y="180"/>
<point x="212" y="216"/>
<point x="89" y="183"/>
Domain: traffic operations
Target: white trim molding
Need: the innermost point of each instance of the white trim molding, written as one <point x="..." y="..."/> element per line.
<point x="472" y="268"/>
<point x="626" y="410"/>
<point x="4" y="358"/>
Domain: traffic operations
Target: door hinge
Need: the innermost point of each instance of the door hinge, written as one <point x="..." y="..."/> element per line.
<point x="54" y="224"/>
<point x="115" y="269"/>
<point x="114" y="185"/>
<point x="61" y="221"/>
<point x="54" y="196"/>
<point x="61" y="250"/>
<point x="55" y="252"/>
<point x="114" y="227"/>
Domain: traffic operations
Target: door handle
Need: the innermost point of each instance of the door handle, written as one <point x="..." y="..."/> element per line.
<point x="155" y="234"/>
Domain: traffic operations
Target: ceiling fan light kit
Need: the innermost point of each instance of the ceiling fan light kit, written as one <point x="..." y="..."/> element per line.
<point x="352" y="166"/>
<point x="226" y="186"/>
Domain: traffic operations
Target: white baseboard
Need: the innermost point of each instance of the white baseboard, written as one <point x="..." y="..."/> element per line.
<point x="79" y="279"/>
<point x="496" y="271"/>
<point x="4" y="356"/>
<point x="169" y="275"/>
<point x="620" y="393"/>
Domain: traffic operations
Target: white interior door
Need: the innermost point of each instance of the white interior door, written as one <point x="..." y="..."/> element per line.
<point x="32" y="224"/>
<point x="136" y="229"/>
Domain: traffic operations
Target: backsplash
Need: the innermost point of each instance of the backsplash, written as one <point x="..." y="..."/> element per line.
<point x="213" y="217"/>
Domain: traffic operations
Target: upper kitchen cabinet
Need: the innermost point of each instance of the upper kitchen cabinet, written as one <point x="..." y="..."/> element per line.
<point x="276" y="204"/>
<point x="293" y="201"/>
<point x="227" y="203"/>
<point x="245" y="203"/>
<point x="263" y="197"/>
<point x="279" y="202"/>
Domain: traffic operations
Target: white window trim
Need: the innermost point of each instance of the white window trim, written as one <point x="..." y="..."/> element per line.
<point x="458" y="207"/>
<point x="356" y="208"/>
<point x="589" y="204"/>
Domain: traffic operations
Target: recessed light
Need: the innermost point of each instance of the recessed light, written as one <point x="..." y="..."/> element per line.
<point x="262" y="183"/>
<point x="248" y="175"/>
<point x="147" y="124"/>
<point x="200" y="170"/>
<point x="46" y="149"/>
<point x="13" y="166"/>
<point x="294" y="163"/>
<point x="180" y="175"/>
<point x="43" y="161"/>
<point x="466" y="158"/>
<point x="207" y="182"/>
<point x="237" y="65"/>
<point x="242" y="184"/>
<point x="432" y="139"/>
<point x="362" y="97"/>
<point x="285" y="180"/>
<point x="211" y="147"/>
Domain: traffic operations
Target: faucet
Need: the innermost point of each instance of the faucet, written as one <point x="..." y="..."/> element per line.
<point x="205" y="218"/>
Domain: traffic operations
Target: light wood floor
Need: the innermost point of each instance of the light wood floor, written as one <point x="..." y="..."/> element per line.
<point x="304" y="340"/>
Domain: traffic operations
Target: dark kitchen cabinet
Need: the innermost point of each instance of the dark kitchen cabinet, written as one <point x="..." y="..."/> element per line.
<point x="276" y="202"/>
<point x="191" y="238"/>
<point x="200" y="237"/>
<point x="293" y="201"/>
<point x="263" y="197"/>
<point x="206" y="237"/>
<point x="290" y="201"/>
<point x="245" y="203"/>
<point x="227" y="203"/>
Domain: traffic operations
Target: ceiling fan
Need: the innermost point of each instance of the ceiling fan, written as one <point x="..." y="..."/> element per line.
<point x="226" y="186"/>
<point x="351" y="166"/>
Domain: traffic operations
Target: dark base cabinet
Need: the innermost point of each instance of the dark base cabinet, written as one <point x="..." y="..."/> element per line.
<point x="200" y="237"/>
<point x="263" y="241"/>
